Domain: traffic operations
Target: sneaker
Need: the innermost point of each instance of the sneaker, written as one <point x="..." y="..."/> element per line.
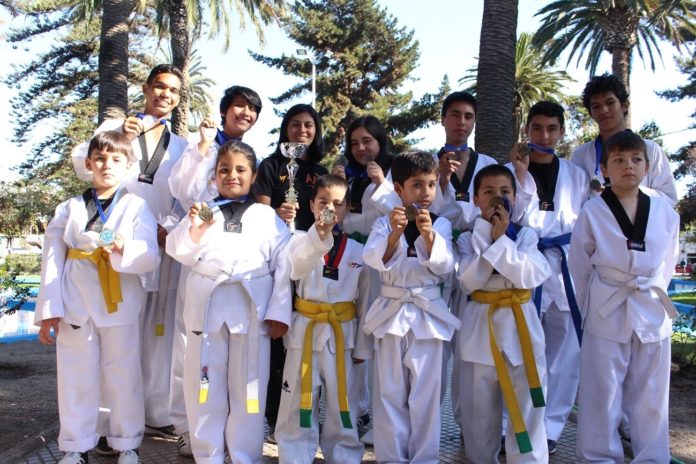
<point x="184" y="445"/>
<point x="129" y="457"/>
<point x="103" y="448"/>
<point x="74" y="457"/>
<point x="368" y="438"/>
<point x="552" y="446"/>
<point x="165" y="432"/>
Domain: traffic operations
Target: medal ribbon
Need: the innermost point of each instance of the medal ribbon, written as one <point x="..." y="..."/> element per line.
<point x="448" y="148"/>
<point x="221" y="138"/>
<point x="539" y="148"/>
<point x="108" y="278"/>
<point x="104" y="216"/>
<point x="513" y="299"/>
<point x="598" y="155"/>
<point x="333" y="314"/>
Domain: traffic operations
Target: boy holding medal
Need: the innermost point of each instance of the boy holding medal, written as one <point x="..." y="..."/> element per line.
<point x="554" y="190"/>
<point x="606" y="99"/>
<point x="412" y="250"/>
<point x="324" y="341"/>
<point x="624" y="248"/>
<point x="101" y="240"/>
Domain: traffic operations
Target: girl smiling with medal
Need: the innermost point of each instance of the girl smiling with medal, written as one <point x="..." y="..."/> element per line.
<point x="102" y="239"/>
<point x="237" y="296"/>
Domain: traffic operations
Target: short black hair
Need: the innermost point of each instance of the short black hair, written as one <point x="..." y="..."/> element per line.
<point x="603" y="84"/>
<point x="112" y="141"/>
<point x="546" y="108"/>
<point x="410" y="163"/>
<point x="164" y="69"/>
<point x="375" y="128"/>
<point x="623" y="141"/>
<point x="237" y="146"/>
<point x="330" y="180"/>
<point x="494" y="170"/>
<point x="315" y="152"/>
<point x="460" y="96"/>
<point x="238" y="91"/>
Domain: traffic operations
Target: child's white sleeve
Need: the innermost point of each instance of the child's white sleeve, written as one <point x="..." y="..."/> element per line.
<point x="189" y="180"/>
<point x="377" y="244"/>
<point x="141" y="253"/>
<point x="49" y="303"/>
<point x="180" y="246"/>
<point x="280" y="305"/>
<point x="474" y="271"/>
<point x="364" y="343"/>
<point x="582" y="247"/>
<point x="520" y="262"/>
<point x="661" y="178"/>
<point x="384" y="198"/>
<point x="673" y="251"/>
<point x="441" y="259"/>
<point x="305" y="250"/>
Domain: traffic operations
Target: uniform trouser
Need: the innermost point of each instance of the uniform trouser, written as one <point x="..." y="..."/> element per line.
<point x="223" y="418"/>
<point x="359" y="389"/>
<point x="636" y="375"/>
<point x="296" y="444"/>
<point x="177" y="407"/>
<point x="563" y="367"/>
<point x="82" y="354"/>
<point x="275" y="381"/>
<point x="482" y="412"/>
<point x="406" y="399"/>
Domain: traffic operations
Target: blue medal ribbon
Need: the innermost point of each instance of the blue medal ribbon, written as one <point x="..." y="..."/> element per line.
<point x="598" y="155"/>
<point x="539" y="148"/>
<point x="558" y="242"/>
<point x="221" y="138"/>
<point x="104" y="215"/>
<point x="448" y="147"/>
<point x="141" y="116"/>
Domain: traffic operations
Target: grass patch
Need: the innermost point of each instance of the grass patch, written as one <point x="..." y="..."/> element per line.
<point x="685" y="298"/>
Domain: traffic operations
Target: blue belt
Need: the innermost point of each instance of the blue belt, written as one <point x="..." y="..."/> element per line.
<point x="558" y="242"/>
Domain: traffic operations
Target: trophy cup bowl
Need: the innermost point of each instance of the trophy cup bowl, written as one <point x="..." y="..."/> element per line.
<point x="292" y="151"/>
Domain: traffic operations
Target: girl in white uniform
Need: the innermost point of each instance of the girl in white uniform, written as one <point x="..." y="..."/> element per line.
<point x="90" y="295"/>
<point x="330" y="286"/>
<point x="237" y="297"/>
<point x="409" y="319"/>
<point x="624" y="249"/>
<point x="499" y="265"/>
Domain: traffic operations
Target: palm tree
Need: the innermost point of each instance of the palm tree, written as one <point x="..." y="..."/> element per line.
<point x="589" y="27"/>
<point x="185" y="15"/>
<point x="534" y="81"/>
<point x="496" y="78"/>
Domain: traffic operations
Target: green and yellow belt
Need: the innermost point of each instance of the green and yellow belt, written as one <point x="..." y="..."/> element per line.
<point x="513" y="298"/>
<point x="333" y="314"/>
<point x="108" y="277"/>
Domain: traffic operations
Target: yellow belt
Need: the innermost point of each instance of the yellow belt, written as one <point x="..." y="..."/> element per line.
<point x="334" y="314"/>
<point x="108" y="277"/>
<point x="513" y="298"/>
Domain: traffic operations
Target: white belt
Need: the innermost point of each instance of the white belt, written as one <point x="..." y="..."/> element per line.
<point x="419" y="296"/>
<point x="626" y="284"/>
<point x="226" y="275"/>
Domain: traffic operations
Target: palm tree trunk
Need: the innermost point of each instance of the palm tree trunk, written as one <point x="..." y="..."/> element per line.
<point x="181" y="55"/>
<point x="621" y="68"/>
<point x="495" y="83"/>
<point x="113" y="60"/>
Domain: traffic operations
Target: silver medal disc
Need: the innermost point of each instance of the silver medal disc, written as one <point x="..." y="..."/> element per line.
<point x="327" y="216"/>
<point x="411" y="212"/>
<point x="206" y="214"/>
<point x="106" y="237"/>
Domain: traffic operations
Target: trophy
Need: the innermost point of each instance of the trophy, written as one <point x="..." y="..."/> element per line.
<point x="292" y="151"/>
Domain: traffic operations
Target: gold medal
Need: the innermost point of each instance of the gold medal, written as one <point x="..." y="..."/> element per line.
<point x="454" y="155"/>
<point x="496" y="201"/>
<point x="411" y="212"/>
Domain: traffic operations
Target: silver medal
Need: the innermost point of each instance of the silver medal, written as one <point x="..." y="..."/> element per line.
<point x="206" y="214"/>
<point x="327" y="216"/>
<point x="107" y="237"/>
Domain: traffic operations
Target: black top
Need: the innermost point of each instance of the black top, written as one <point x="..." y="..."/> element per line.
<point x="272" y="181"/>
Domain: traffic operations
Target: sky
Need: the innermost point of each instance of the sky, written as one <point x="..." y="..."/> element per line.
<point x="449" y="50"/>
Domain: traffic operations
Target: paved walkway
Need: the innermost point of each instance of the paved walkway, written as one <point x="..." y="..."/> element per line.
<point x="157" y="450"/>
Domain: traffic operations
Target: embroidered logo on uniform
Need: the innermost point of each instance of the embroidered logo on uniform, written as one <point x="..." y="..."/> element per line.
<point x="286" y="387"/>
<point x="355" y="265"/>
<point x="311" y="180"/>
<point x="282" y="178"/>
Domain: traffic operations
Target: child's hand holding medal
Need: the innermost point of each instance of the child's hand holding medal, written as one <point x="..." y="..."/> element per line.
<point x="326" y="222"/>
<point x="201" y="218"/>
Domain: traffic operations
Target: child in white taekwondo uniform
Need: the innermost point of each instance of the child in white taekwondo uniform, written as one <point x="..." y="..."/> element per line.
<point x="90" y="295"/>
<point x="157" y="149"/>
<point x="412" y="250"/>
<point x="606" y="99"/>
<point x="237" y="297"/>
<point x="324" y="342"/>
<point x="554" y="190"/>
<point x="624" y="248"/>
<point x="501" y="341"/>
<point x="192" y="181"/>
<point x="365" y="165"/>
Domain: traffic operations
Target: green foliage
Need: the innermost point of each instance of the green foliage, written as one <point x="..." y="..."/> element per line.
<point x="24" y="264"/>
<point x="26" y="206"/>
<point x="9" y="281"/>
<point x="683" y="342"/>
<point x="362" y="58"/>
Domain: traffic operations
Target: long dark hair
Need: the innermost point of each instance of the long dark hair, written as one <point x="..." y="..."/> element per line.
<point x="375" y="128"/>
<point x="316" y="149"/>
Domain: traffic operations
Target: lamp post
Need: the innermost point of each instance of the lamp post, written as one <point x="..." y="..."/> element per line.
<point x="304" y="53"/>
